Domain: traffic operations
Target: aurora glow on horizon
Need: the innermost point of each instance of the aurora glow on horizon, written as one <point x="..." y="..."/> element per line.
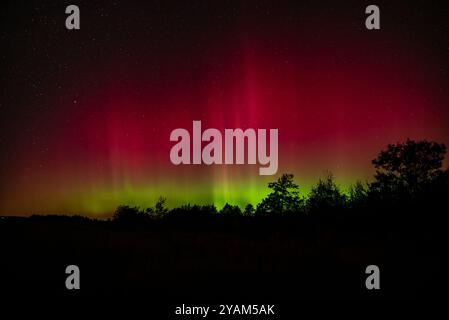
<point x="87" y="122"/>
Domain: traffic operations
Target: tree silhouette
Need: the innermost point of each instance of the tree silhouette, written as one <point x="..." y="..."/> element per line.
<point x="407" y="168"/>
<point x="197" y="210"/>
<point x="230" y="210"/>
<point x="159" y="208"/>
<point x="126" y="213"/>
<point x="249" y="210"/>
<point x="283" y="199"/>
<point x="325" y="195"/>
<point x="406" y="173"/>
<point x="358" y="195"/>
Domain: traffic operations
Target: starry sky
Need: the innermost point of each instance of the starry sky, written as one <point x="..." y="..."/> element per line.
<point x="86" y="114"/>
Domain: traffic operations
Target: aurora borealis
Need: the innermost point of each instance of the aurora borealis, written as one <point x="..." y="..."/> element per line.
<point x="87" y="114"/>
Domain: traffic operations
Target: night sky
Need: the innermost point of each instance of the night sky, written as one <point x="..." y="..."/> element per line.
<point x="86" y="114"/>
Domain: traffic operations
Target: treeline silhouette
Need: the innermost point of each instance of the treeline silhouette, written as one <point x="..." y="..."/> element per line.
<point x="285" y="247"/>
<point x="408" y="175"/>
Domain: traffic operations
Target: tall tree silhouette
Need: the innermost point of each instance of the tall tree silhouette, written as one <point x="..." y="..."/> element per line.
<point x="326" y="195"/>
<point x="249" y="210"/>
<point x="407" y="168"/>
<point x="284" y="197"/>
<point x="230" y="210"/>
<point x="358" y="195"/>
<point x="159" y="208"/>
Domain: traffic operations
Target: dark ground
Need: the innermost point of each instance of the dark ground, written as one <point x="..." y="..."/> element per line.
<point x="251" y="259"/>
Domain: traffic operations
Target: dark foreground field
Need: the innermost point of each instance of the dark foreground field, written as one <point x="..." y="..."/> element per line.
<point x="218" y="257"/>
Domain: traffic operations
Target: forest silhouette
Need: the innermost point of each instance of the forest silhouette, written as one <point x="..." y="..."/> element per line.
<point x="407" y="174"/>
<point x="285" y="247"/>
